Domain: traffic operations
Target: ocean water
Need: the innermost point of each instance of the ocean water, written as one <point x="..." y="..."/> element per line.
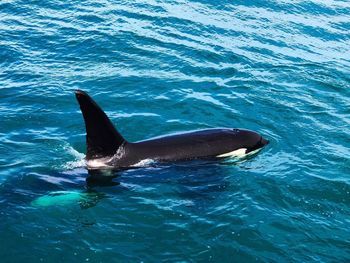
<point x="158" y="67"/>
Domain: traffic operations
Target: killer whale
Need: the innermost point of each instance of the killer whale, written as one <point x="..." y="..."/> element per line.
<point x="106" y="147"/>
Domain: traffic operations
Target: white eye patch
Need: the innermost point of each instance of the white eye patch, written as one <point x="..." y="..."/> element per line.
<point x="237" y="153"/>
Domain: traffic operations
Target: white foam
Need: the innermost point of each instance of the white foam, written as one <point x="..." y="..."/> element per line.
<point x="74" y="152"/>
<point x="74" y="164"/>
<point x="143" y="163"/>
<point x="78" y="156"/>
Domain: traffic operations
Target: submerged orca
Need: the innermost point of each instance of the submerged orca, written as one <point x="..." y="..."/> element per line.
<point x="107" y="148"/>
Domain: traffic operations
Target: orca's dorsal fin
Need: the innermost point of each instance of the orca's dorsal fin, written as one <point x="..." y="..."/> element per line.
<point x="102" y="139"/>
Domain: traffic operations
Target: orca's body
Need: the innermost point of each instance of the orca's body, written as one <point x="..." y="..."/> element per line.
<point x="107" y="148"/>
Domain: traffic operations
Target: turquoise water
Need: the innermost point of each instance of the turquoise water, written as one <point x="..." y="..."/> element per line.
<point x="159" y="67"/>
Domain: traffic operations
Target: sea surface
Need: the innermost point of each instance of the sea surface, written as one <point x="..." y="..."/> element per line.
<point x="281" y="68"/>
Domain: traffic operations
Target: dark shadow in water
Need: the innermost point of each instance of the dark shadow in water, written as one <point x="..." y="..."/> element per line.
<point x="91" y="198"/>
<point x="197" y="181"/>
<point x="102" y="178"/>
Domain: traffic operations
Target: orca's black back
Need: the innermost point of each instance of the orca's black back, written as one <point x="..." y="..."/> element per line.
<point x="197" y="144"/>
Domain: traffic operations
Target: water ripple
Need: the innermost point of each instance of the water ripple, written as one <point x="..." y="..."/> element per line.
<point x="277" y="67"/>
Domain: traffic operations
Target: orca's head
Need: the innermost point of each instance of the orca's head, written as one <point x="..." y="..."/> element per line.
<point x="250" y="140"/>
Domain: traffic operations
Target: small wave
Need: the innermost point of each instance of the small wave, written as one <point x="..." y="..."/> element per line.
<point x="144" y="163"/>
<point x="78" y="156"/>
<point x="75" y="164"/>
